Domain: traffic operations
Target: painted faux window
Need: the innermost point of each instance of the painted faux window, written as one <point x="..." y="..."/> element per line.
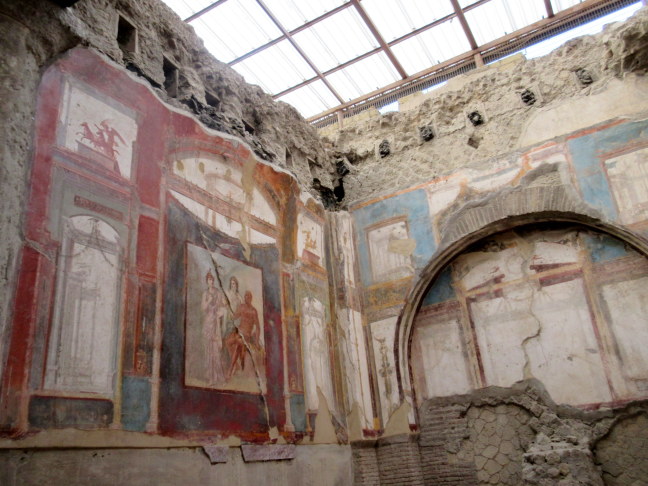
<point x="82" y="344"/>
<point x="390" y="248"/>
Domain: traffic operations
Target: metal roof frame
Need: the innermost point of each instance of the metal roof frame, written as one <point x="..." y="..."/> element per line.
<point x="553" y="22"/>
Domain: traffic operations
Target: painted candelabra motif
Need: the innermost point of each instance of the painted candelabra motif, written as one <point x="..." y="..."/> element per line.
<point x="382" y="334"/>
<point x="225" y="340"/>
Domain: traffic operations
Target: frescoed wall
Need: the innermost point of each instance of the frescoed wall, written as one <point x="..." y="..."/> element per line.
<point x="539" y="303"/>
<point x="161" y="277"/>
<point x="524" y="305"/>
<point x="170" y="284"/>
<point x="176" y="306"/>
<point x="181" y="287"/>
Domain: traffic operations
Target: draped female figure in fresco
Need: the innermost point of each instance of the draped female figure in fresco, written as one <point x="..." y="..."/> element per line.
<point x="214" y="308"/>
<point x="317" y="372"/>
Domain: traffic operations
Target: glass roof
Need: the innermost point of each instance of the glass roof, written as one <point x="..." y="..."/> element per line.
<point x="319" y="55"/>
<point x="364" y="76"/>
<point x="337" y="39"/>
<point x="433" y="46"/>
<point x="276" y="68"/>
<point x="312" y="98"/>
<point x="292" y="13"/>
<point x="395" y="19"/>
<point x="511" y="16"/>
<point x="222" y="26"/>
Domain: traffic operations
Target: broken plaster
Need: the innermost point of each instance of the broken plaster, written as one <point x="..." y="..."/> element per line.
<point x="354" y="422"/>
<point x="399" y="420"/>
<point x="324" y="429"/>
<point x="108" y="438"/>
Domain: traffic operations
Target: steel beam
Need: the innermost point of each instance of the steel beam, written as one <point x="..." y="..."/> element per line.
<point x="204" y="10"/>
<point x="381" y="42"/>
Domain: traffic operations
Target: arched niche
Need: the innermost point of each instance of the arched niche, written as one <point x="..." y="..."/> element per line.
<point x="607" y="345"/>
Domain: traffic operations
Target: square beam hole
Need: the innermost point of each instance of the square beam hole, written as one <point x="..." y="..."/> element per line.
<point x="212" y="100"/>
<point x="170" y="78"/>
<point x="126" y="35"/>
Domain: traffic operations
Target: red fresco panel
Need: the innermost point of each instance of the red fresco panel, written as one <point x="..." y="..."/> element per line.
<point x="147" y="245"/>
<point x="26" y="308"/>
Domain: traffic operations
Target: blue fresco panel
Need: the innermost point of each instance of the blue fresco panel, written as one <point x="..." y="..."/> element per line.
<point x="414" y="206"/>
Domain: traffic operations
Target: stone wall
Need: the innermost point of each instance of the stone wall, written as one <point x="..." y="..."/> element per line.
<point x="622" y="452"/>
<point x="584" y="82"/>
<point x="514" y="437"/>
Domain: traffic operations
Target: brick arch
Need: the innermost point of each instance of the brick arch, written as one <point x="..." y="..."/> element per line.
<point x="490" y="220"/>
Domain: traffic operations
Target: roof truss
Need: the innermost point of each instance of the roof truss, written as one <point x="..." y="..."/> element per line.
<point x="552" y="21"/>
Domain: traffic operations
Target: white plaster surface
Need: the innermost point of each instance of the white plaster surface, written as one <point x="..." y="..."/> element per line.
<point x="628" y="305"/>
<point x="345" y="256"/>
<point x="442" y="193"/>
<point x="356" y="374"/>
<point x="628" y="175"/>
<point x="565" y="357"/>
<point x="617" y="98"/>
<point x="222" y="179"/>
<point x="501" y="325"/>
<point x="317" y="366"/>
<point x="444" y="364"/>
<point x="83" y="342"/>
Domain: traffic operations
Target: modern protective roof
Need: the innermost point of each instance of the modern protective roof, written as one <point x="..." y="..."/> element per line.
<point x="331" y="57"/>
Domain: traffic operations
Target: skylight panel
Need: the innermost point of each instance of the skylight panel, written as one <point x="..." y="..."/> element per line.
<point x="234" y="28"/>
<point x="337" y="39"/>
<point x="498" y="18"/>
<point x="431" y="47"/>
<point x="395" y="19"/>
<point x="292" y="13"/>
<point x="364" y="76"/>
<point x="276" y="68"/>
<point x="186" y="8"/>
<point x="559" y="5"/>
<point x="311" y="99"/>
